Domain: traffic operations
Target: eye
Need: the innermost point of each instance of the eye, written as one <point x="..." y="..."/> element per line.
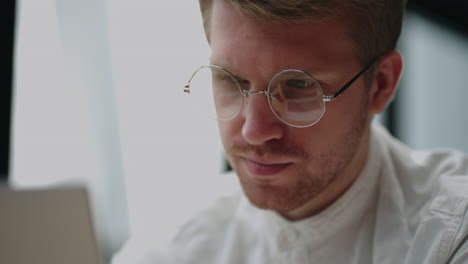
<point x="221" y="76"/>
<point x="224" y="78"/>
<point x="299" y="88"/>
<point x="244" y="84"/>
<point x="298" y="84"/>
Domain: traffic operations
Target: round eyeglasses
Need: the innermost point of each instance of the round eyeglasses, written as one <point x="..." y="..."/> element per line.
<point x="294" y="96"/>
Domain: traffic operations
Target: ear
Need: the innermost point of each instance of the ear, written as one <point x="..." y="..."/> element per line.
<point x="386" y="76"/>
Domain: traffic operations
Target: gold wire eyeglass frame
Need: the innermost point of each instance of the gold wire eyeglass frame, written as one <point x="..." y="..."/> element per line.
<point x="325" y="98"/>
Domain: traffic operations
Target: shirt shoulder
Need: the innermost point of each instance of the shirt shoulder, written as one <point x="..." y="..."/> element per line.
<point x="428" y="190"/>
<point x="442" y="235"/>
<point x="419" y="175"/>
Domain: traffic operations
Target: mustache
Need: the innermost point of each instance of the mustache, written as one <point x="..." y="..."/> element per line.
<point x="273" y="148"/>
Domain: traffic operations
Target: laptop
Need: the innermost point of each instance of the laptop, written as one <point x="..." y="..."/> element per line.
<point x="50" y="226"/>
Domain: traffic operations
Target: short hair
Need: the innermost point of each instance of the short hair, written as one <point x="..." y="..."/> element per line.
<point x="375" y="26"/>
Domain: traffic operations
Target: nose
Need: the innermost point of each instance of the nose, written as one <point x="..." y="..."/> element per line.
<point x="260" y="123"/>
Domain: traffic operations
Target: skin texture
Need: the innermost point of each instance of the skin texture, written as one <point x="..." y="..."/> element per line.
<point x="298" y="172"/>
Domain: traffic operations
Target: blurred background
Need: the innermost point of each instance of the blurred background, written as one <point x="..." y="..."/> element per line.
<point x="93" y="94"/>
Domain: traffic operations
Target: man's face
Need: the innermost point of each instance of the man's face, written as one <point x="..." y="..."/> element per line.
<point x="294" y="171"/>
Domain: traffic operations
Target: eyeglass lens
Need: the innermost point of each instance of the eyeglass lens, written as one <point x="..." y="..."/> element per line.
<point x="294" y="96"/>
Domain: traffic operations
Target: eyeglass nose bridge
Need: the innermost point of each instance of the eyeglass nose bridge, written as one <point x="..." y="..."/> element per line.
<point x="246" y="93"/>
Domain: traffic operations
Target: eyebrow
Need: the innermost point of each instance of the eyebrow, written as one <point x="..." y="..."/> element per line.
<point x="323" y="77"/>
<point x="239" y="79"/>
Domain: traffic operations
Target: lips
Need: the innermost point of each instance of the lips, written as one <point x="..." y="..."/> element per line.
<point x="264" y="169"/>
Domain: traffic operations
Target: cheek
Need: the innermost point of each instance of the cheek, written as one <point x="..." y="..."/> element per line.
<point x="341" y="118"/>
<point x="351" y="105"/>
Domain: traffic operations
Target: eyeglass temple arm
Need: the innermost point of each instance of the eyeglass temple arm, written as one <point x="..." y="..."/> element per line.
<point x="348" y="84"/>
<point x="187" y="86"/>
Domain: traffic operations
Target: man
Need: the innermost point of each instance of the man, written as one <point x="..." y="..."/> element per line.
<point x="295" y="86"/>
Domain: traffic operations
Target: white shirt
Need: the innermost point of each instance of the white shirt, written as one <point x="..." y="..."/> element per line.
<point x="405" y="207"/>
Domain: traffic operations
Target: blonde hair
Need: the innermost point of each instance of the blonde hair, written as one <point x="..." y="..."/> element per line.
<point x="375" y="26"/>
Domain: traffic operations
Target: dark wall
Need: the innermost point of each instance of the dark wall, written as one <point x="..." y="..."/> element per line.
<point x="7" y="29"/>
<point x="452" y="13"/>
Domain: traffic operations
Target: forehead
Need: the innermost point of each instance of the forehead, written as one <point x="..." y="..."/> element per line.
<point x="237" y="41"/>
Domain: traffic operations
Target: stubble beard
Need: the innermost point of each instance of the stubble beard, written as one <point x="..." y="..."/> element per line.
<point x="319" y="170"/>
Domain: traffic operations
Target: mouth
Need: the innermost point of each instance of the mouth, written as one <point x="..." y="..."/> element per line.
<point x="264" y="169"/>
